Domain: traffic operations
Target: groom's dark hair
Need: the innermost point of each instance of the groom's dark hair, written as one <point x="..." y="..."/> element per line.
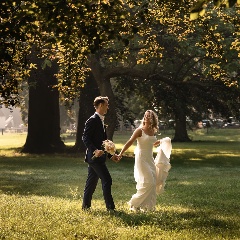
<point x="99" y="100"/>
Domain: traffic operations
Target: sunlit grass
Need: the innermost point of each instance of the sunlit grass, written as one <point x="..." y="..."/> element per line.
<point x="41" y="195"/>
<point x="12" y="140"/>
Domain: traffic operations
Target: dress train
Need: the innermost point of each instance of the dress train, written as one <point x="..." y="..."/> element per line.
<point x="162" y="163"/>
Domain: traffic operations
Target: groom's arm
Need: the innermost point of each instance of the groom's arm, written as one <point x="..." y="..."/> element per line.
<point x="88" y="134"/>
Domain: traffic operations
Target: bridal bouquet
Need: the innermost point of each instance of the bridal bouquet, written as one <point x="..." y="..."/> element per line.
<point x="108" y="146"/>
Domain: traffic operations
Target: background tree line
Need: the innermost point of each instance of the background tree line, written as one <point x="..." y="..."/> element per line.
<point x="149" y="50"/>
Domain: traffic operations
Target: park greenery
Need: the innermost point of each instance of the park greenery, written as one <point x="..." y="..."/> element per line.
<point x="164" y="55"/>
<point x="177" y="57"/>
<point x="40" y="195"/>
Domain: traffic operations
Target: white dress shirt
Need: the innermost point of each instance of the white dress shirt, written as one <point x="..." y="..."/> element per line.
<point x="102" y="118"/>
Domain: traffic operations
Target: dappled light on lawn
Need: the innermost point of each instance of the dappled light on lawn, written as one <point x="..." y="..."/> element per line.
<point x="41" y="196"/>
<point x="187" y="183"/>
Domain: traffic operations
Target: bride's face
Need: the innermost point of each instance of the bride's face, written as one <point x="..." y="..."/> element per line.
<point x="147" y="117"/>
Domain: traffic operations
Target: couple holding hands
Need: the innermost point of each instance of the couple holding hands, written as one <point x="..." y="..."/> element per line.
<point x="149" y="179"/>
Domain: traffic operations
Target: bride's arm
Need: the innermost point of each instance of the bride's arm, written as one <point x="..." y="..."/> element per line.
<point x="137" y="133"/>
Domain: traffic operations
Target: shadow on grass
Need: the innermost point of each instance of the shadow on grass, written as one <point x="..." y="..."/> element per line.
<point x="191" y="201"/>
<point x="64" y="175"/>
<point x="50" y="175"/>
<point x="170" y="220"/>
<point x="58" y="175"/>
<point x="200" y="160"/>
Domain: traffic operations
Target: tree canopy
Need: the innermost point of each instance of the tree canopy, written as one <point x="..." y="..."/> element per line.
<point x="70" y="31"/>
<point x="63" y="30"/>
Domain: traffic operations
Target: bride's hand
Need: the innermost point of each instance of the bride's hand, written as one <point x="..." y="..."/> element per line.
<point x="119" y="156"/>
<point x="157" y="143"/>
<point x="115" y="158"/>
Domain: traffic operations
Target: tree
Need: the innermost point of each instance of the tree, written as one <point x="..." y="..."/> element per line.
<point x="13" y="51"/>
<point x="84" y="29"/>
<point x="68" y="30"/>
<point x="199" y="63"/>
<point x="86" y="109"/>
<point x="197" y="60"/>
<point x="43" y="113"/>
<point x="71" y="31"/>
<point x="81" y="30"/>
<point x="150" y="45"/>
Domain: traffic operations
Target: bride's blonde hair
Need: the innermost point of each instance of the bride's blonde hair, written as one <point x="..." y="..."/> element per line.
<point x="153" y="120"/>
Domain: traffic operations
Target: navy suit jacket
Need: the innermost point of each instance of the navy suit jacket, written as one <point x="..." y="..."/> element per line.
<point x="93" y="137"/>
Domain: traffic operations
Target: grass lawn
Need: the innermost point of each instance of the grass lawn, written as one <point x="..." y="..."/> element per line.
<point x="41" y="195"/>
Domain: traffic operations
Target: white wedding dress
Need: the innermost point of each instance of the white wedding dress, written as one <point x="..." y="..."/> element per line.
<point x="149" y="180"/>
<point x="162" y="163"/>
<point x="144" y="174"/>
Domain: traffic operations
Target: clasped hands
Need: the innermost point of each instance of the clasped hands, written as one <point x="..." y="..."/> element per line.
<point x="116" y="158"/>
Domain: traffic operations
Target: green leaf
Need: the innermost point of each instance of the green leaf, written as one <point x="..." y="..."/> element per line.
<point x="194" y="15"/>
<point x="45" y="63"/>
<point x="217" y="3"/>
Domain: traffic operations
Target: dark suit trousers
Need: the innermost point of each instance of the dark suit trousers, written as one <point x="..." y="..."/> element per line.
<point x="96" y="171"/>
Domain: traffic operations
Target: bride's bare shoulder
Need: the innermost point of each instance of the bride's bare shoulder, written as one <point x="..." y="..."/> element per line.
<point x="138" y="132"/>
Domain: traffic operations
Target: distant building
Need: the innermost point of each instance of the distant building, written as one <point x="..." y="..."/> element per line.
<point x="2" y="120"/>
<point x="10" y="118"/>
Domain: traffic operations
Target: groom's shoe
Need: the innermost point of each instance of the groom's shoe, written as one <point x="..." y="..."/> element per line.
<point x="111" y="208"/>
<point x="85" y="208"/>
<point x="112" y="211"/>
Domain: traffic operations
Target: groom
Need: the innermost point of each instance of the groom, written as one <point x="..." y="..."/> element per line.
<point x="93" y="136"/>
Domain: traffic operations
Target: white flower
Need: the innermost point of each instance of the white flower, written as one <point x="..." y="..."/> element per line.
<point x="109" y="147"/>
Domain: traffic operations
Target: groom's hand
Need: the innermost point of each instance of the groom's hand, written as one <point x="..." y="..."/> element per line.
<point x="115" y="158"/>
<point x="98" y="153"/>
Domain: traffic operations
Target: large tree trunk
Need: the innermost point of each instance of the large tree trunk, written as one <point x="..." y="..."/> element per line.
<point x="105" y="88"/>
<point x="181" y="134"/>
<point x="111" y="116"/>
<point x="43" y="114"/>
<point x="86" y="109"/>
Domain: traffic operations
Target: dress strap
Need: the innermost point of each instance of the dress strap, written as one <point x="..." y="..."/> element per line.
<point x="147" y="134"/>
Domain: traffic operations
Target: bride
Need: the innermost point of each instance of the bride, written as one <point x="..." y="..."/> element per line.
<point x="144" y="168"/>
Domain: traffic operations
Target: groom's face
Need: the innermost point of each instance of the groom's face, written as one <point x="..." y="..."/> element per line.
<point x="104" y="107"/>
